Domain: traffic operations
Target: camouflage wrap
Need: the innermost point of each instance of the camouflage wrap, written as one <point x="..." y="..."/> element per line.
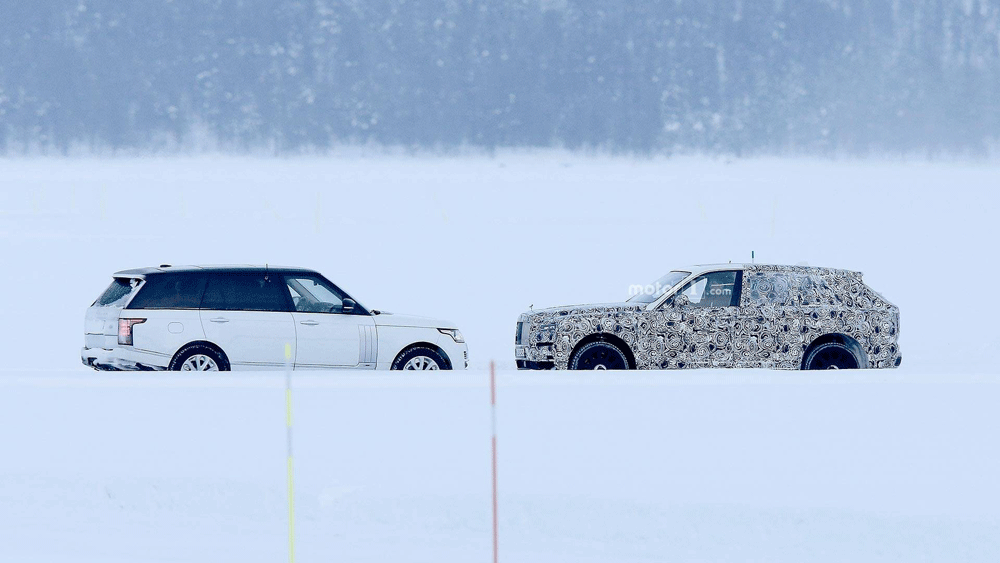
<point x="782" y="310"/>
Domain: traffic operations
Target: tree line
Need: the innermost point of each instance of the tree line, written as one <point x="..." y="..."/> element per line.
<point x="716" y="76"/>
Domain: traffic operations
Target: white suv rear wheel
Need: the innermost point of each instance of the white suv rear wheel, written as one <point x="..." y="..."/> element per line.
<point x="199" y="362"/>
<point x="199" y="357"/>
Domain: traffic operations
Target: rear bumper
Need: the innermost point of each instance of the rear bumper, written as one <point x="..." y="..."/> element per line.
<point x="121" y="359"/>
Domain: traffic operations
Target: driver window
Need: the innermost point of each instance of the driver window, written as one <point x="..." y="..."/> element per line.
<point x="695" y="290"/>
<point x="312" y="295"/>
<point x="714" y="289"/>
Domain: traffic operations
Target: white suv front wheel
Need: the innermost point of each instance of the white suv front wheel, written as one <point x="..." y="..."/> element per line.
<point x="420" y="358"/>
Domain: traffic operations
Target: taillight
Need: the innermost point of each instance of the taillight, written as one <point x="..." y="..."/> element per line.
<point x="125" y="330"/>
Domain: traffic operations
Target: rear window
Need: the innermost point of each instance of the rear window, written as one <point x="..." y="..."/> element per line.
<point x="117" y="293"/>
<point x="170" y="292"/>
<point x="246" y="292"/>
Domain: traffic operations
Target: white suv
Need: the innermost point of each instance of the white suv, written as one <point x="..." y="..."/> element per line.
<point x="208" y="318"/>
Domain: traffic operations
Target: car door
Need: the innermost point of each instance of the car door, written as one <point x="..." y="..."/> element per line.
<point x="708" y="316"/>
<point x="248" y="315"/>
<point x="769" y="322"/>
<point x="328" y="335"/>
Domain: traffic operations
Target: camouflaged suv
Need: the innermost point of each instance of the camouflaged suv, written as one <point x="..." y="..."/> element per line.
<point x="722" y="315"/>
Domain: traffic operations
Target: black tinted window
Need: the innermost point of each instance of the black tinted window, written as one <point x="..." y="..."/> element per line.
<point x="177" y="291"/>
<point x="246" y="292"/>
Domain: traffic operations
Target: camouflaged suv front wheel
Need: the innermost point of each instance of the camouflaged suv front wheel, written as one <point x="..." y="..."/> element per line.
<point x="599" y="355"/>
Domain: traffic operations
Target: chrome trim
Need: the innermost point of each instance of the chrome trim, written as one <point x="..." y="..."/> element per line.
<point x="368" y="344"/>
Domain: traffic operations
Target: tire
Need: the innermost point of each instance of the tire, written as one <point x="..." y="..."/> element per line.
<point x="599" y="355"/>
<point x="420" y="358"/>
<point x="199" y="357"/>
<point x="831" y="355"/>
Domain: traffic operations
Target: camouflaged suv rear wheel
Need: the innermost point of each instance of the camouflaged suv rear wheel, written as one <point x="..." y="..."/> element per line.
<point x="599" y="355"/>
<point x="831" y="355"/>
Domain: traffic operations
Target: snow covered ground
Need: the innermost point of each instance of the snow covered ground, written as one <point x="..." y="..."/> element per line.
<point x="707" y="466"/>
<point x="897" y="465"/>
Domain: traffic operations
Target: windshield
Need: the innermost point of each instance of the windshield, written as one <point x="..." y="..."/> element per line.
<point x="652" y="292"/>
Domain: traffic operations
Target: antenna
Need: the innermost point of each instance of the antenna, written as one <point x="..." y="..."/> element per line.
<point x="752" y="259"/>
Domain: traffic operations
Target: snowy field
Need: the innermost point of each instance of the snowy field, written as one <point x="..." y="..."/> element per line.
<point x="895" y="465"/>
<point x="712" y="466"/>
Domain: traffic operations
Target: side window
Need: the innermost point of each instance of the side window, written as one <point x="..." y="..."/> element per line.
<point x="810" y="289"/>
<point x="245" y="292"/>
<point x="715" y="289"/>
<point x="176" y="291"/>
<point x="695" y="290"/>
<point x="313" y="295"/>
<point x="769" y="288"/>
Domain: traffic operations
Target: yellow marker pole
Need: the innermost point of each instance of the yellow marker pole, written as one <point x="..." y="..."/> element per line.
<point x="288" y="443"/>
<point x="493" y="416"/>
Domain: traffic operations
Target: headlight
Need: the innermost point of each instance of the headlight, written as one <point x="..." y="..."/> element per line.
<point x="454" y="333"/>
<point x="547" y="332"/>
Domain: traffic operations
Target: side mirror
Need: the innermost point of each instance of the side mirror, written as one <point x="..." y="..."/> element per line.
<point x="348" y="306"/>
<point x="681" y="300"/>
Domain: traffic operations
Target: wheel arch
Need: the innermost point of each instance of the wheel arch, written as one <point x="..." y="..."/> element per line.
<point x="205" y="343"/>
<point x="610" y="339"/>
<point x="423" y="344"/>
<point x="836" y="337"/>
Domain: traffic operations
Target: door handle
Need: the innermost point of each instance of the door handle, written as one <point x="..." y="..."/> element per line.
<point x="219" y="320"/>
<point x="309" y="323"/>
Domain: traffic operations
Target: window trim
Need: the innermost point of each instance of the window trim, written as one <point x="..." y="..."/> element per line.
<point x="737" y="290"/>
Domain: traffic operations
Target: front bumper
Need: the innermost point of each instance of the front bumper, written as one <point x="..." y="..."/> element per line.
<point x="534" y="357"/>
<point x="457" y="352"/>
<point x="121" y="359"/>
<point x="526" y="364"/>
